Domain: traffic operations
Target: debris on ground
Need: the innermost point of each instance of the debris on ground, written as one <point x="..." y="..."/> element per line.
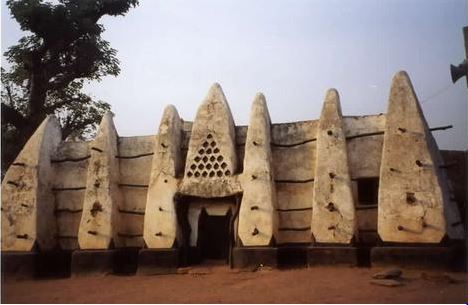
<point x="195" y="270"/>
<point x="183" y="270"/>
<point x="261" y="267"/>
<point x="388" y="278"/>
<point x="387" y="282"/>
<point x="445" y="278"/>
<point x="393" y="273"/>
<point x="257" y="268"/>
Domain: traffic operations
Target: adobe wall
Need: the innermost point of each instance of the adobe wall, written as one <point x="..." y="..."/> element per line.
<point x="135" y="157"/>
<point x="292" y="175"/>
<point x="70" y="165"/>
<point x="289" y="176"/>
<point x="292" y="144"/>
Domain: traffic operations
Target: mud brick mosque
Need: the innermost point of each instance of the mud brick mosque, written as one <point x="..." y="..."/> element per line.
<point x="320" y="191"/>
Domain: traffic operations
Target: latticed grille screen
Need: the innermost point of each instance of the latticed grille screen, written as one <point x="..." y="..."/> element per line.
<point x="209" y="161"/>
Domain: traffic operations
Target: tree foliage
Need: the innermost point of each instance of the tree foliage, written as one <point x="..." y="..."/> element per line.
<point x="48" y="67"/>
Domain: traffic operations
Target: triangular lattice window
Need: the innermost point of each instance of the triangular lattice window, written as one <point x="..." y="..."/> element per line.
<point x="209" y="161"/>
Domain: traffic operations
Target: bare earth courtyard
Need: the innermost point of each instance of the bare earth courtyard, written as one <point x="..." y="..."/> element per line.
<point x="219" y="284"/>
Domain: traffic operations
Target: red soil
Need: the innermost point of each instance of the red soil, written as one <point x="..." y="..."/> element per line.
<point x="218" y="284"/>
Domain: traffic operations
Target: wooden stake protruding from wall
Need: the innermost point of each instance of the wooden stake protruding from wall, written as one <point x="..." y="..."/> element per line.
<point x="333" y="216"/>
<point x="257" y="215"/>
<point x="412" y="193"/>
<point x="102" y="197"/>
<point x="28" y="202"/>
<point x="160" y="224"/>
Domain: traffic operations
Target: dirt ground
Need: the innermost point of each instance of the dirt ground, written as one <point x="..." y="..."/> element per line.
<point x="219" y="284"/>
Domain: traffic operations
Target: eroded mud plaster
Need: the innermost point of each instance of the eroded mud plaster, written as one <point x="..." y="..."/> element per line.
<point x="257" y="216"/>
<point x="333" y="218"/>
<point x="412" y="194"/>
<point x="102" y="198"/>
<point x="160" y="226"/>
<point x="211" y="159"/>
<point x="28" y="202"/>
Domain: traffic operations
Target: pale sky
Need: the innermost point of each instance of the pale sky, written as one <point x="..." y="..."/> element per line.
<point x="292" y="51"/>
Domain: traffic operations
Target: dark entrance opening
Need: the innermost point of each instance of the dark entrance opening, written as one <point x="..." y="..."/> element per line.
<point x="214" y="236"/>
<point x="214" y="231"/>
<point x="366" y="209"/>
<point x="368" y="191"/>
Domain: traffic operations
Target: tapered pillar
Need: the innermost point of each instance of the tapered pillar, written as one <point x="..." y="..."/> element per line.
<point x="211" y="158"/>
<point x="160" y="224"/>
<point x="102" y="196"/>
<point x="413" y="193"/>
<point x="333" y="217"/>
<point x="27" y="199"/>
<point x="257" y="216"/>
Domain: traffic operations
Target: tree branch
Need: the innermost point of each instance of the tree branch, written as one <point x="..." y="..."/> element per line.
<point x="63" y="81"/>
<point x="57" y="105"/>
<point x="12" y="116"/>
<point x="10" y="97"/>
<point x="68" y="128"/>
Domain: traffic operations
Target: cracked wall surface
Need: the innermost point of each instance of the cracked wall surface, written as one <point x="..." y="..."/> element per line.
<point x="27" y="200"/>
<point x="333" y="218"/>
<point x="414" y="204"/>
<point x="102" y="196"/>
<point x="160" y="224"/>
<point x="257" y="215"/>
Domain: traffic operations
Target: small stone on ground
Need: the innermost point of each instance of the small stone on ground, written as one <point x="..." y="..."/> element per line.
<point x="388" y="274"/>
<point x="387" y="282"/>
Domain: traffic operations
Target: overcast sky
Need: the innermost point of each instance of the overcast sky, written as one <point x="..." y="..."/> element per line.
<point x="292" y="51"/>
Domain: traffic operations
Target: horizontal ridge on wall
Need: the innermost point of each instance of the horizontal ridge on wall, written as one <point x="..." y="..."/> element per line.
<point x="294" y="229"/>
<point x="294" y="181"/>
<point x="70" y="159"/>
<point x="135" y="156"/>
<point x="294" y="209"/>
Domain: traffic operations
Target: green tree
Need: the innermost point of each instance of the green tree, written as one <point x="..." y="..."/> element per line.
<point x="49" y="66"/>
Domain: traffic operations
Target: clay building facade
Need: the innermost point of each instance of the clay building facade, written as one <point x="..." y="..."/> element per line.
<point x="211" y="189"/>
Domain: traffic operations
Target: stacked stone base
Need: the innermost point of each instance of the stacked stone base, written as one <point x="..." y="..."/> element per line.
<point x="92" y="262"/>
<point x="158" y="261"/>
<point x="433" y="257"/>
<point x="130" y="261"/>
<point x="18" y="265"/>
<point x="332" y="255"/>
<point x="247" y="257"/>
<point x="28" y="265"/>
<point x="103" y="262"/>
